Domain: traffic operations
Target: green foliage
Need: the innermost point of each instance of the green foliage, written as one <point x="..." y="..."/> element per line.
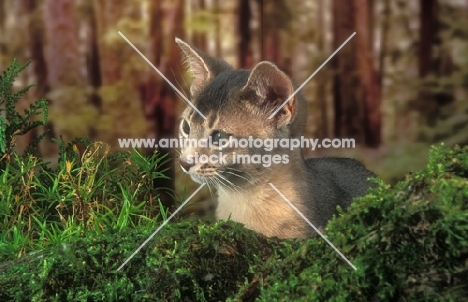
<point x="12" y="123"/>
<point x="409" y="243"/>
<point x="184" y="262"/>
<point x="65" y="231"/>
<point x="91" y="190"/>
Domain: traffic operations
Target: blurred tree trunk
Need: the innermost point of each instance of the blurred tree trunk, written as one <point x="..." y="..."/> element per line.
<point x="107" y="14"/>
<point x="62" y="55"/>
<point x="113" y="80"/>
<point x="323" y="131"/>
<point x="152" y="97"/>
<point x="369" y="77"/>
<point x="92" y="57"/>
<point x="348" y="108"/>
<point x="384" y="38"/>
<point x="370" y="21"/>
<point x="435" y="58"/>
<point x="199" y="37"/>
<point x="245" y="59"/>
<point x="161" y="100"/>
<point x="31" y="9"/>
<point x="427" y="35"/>
<point x="154" y="81"/>
<point x="36" y="46"/>
<point x="64" y="73"/>
<point x="274" y="17"/>
<point x="217" y="28"/>
<point x="270" y="33"/>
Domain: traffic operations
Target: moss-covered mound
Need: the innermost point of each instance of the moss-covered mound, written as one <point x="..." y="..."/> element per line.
<point x="184" y="262"/>
<point x="408" y="243"/>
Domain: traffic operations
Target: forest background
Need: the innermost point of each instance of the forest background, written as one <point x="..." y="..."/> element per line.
<point x="398" y="86"/>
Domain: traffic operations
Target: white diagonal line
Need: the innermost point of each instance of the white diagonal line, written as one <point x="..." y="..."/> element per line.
<point x="308" y="79"/>
<point x="162" y="75"/>
<point x="160" y="227"/>
<point x="310" y="223"/>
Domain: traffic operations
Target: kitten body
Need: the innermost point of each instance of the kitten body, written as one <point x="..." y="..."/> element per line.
<point x="237" y="104"/>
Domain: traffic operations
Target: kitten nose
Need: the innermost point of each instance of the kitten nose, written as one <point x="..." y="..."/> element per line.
<point x="186" y="165"/>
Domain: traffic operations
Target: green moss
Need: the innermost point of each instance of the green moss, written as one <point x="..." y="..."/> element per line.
<point x="185" y="261"/>
<point x="409" y="242"/>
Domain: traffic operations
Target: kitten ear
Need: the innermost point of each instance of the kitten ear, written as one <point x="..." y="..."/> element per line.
<point x="202" y="67"/>
<point x="272" y="88"/>
<point x="197" y="66"/>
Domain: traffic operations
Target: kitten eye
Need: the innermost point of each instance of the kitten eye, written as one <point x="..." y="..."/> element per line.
<point x="185" y="127"/>
<point x="218" y="135"/>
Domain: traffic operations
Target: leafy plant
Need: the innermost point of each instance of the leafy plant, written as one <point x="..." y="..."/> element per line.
<point x="90" y="190"/>
<point x="408" y="242"/>
<point x="13" y="124"/>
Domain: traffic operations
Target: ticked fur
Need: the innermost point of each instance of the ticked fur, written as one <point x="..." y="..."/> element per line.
<point x="237" y="104"/>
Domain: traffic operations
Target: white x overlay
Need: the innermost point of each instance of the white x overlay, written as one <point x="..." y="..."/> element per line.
<point x="311" y="76"/>
<point x="313" y="226"/>
<point x="160" y="227"/>
<point x="162" y="75"/>
<point x="271" y="116"/>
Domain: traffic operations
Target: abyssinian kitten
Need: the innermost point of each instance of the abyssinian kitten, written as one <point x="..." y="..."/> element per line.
<point x="237" y="104"/>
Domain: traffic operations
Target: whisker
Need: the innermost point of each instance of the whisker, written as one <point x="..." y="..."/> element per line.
<point x="232" y="185"/>
<point x="239" y="175"/>
<point x="208" y="183"/>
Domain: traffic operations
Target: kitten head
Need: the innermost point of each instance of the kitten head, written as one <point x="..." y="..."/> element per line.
<point x="237" y="105"/>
